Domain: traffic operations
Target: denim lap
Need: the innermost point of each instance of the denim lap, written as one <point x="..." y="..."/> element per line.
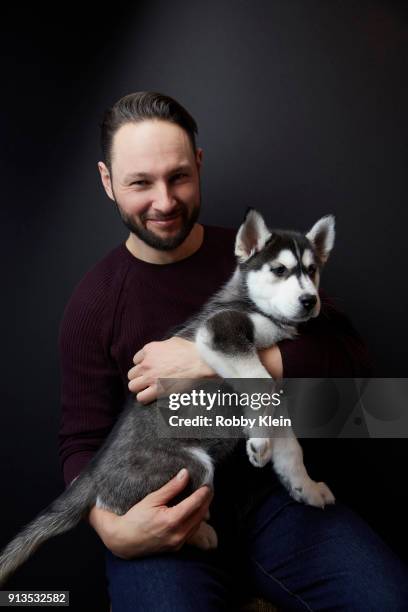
<point x="296" y="556"/>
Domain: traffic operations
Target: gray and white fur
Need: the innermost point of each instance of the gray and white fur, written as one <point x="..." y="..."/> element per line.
<point x="273" y="289"/>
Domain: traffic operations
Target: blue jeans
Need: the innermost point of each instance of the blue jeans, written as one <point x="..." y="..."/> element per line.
<point x="296" y="556"/>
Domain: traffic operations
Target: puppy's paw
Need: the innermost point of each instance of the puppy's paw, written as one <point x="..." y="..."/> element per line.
<point x="259" y="451"/>
<point x="313" y="493"/>
<point x="205" y="537"/>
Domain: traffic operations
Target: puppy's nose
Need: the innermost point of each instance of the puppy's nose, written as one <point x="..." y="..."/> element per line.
<point x="308" y="301"/>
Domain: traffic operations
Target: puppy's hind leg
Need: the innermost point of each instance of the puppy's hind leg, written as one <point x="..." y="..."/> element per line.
<point x="205" y="537"/>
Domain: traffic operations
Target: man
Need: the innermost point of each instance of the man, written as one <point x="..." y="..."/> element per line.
<point x="297" y="556"/>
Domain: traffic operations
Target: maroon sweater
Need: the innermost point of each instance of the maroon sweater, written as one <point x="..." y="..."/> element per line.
<point x="123" y="303"/>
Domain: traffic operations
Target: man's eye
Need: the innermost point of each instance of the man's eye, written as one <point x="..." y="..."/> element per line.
<point x="279" y="270"/>
<point x="179" y="176"/>
<point x="140" y="183"/>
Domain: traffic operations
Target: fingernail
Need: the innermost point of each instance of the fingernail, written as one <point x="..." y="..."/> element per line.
<point x="181" y="474"/>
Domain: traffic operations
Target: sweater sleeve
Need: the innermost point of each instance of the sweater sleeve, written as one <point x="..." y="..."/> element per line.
<point x="91" y="389"/>
<point x="327" y="346"/>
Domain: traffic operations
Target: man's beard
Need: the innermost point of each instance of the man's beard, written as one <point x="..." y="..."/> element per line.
<point x="188" y="220"/>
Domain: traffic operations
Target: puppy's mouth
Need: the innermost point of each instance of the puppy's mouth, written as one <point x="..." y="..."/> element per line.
<point x="302" y="318"/>
<point x="299" y="318"/>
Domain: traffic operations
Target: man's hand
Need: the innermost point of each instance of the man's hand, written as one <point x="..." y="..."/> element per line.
<point x="150" y="526"/>
<point x="179" y="358"/>
<point x="173" y="358"/>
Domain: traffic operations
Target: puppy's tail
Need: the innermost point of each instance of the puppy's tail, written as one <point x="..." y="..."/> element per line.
<point x="60" y="516"/>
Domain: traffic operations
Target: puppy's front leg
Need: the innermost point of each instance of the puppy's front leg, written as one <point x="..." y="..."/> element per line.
<point x="287" y="457"/>
<point x="226" y="343"/>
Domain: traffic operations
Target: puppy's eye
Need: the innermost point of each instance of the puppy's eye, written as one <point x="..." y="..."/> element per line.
<point x="312" y="269"/>
<point x="279" y="270"/>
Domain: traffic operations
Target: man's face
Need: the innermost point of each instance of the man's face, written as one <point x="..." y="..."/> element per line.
<point x="155" y="182"/>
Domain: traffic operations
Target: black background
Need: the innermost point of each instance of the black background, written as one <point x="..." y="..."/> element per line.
<point x="302" y="110"/>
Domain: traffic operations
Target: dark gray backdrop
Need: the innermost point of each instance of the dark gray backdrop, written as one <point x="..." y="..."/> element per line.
<point x="301" y="107"/>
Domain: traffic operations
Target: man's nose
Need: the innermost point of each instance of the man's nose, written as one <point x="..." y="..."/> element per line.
<point x="164" y="200"/>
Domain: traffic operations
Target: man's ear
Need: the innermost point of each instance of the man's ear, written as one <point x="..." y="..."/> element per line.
<point x="252" y="235"/>
<point x="322" y="236"/>
<point x="106" y="179"/>
<point x="199" y="158"/>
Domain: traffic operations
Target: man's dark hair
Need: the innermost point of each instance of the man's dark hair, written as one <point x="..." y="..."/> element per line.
<point x="141" y="106"/>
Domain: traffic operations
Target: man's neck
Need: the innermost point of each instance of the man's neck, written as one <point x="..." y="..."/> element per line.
<point x="143" y="251"/>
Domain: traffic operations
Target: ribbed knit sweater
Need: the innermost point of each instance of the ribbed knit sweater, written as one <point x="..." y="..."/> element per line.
<point x="124" y="303"/>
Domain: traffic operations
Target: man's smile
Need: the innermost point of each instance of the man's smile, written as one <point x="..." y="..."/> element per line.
<point x="167" y="223"/>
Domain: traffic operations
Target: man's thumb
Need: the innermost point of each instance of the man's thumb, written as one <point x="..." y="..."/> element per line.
<point x="171" y="488"/>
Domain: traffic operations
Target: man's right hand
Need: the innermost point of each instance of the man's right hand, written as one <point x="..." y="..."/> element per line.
<point x="150" y="526"/>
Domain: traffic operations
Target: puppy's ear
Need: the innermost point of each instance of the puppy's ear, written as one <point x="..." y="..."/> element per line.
<point x="322" y="236"/>
<point x="252" y="235"/>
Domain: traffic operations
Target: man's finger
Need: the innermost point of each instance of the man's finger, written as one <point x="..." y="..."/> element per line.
<point x="166" y="493"/>
<point x="199" y="500"/>
<point x="134" y="372"/>
<point x="192" y="530"/>
<point x="137" y="384"/>
<point x="147" y="395"/>
<point x="138" y="356"/>
<point x="191" y="524"/>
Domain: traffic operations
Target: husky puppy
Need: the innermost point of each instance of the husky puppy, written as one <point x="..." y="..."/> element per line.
<point x="273" y="289"/>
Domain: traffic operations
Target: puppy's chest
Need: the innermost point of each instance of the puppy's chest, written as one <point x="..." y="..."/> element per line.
<point x="267" y="332"/>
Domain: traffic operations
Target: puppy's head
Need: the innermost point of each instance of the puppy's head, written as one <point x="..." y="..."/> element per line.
<point x="282" y="268"/>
